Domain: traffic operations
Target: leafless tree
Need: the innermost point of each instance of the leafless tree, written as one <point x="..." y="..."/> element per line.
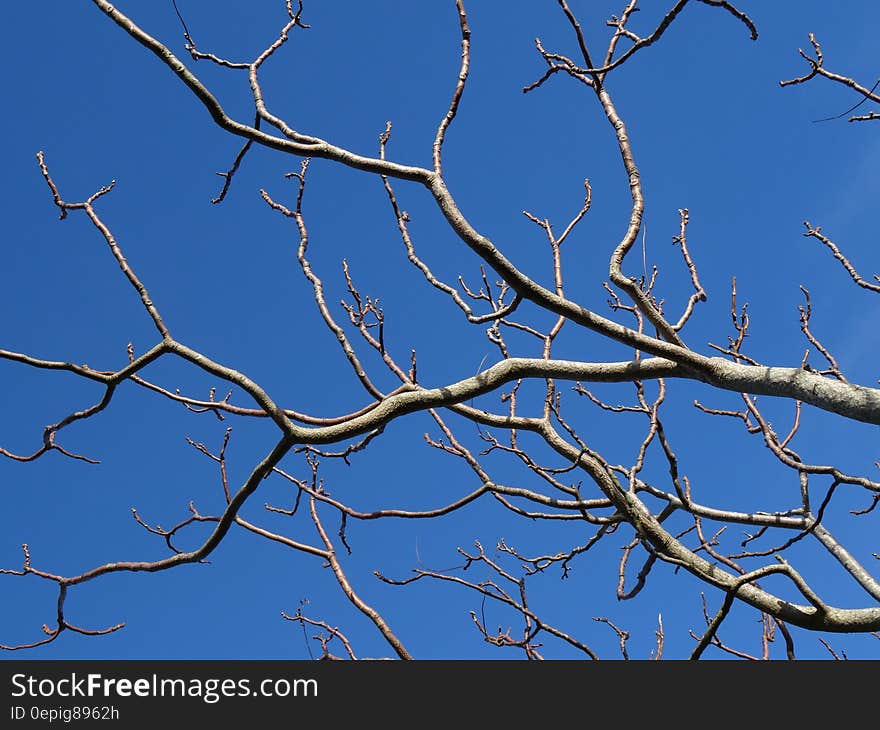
<point x="531" y="409"/>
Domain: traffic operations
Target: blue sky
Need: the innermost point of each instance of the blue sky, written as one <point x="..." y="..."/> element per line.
<point x="712" y="132"/>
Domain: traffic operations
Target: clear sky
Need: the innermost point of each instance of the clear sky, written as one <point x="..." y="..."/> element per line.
<point x="712" y="131"/>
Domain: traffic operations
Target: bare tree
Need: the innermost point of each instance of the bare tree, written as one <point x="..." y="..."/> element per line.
<point x="534" y="411"/>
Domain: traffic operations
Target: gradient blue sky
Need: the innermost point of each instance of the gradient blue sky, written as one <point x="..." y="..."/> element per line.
<point x="712" y="131"/>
